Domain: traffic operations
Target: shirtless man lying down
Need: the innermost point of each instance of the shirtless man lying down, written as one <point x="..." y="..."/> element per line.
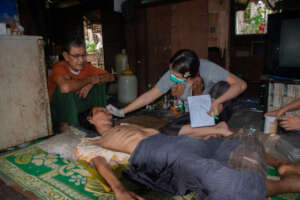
<point x="177" y="164"/>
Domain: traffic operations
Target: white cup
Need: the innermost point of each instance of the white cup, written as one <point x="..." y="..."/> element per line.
<point x="270" y="125"/>
<point x="3" y="29"/>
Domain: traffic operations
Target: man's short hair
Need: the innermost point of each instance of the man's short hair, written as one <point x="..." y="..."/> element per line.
<point x="83" y="121"/>
<point x="185" y="61"/>
<point x="218" y="90"/>
<point x="73" y="41"/>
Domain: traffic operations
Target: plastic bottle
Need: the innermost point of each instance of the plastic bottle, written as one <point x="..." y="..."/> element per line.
<point x="121" y="62"/>
<point x="166" y="102"/>
<point x="149" y="106"/>
<point x="127" y="86"/>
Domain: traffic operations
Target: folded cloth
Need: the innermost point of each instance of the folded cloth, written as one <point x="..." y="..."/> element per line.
<point x="181" y="164"/>
<point x="87" y="152"/>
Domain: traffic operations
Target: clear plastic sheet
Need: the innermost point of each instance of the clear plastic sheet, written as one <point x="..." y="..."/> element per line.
<point x="63" y="144"/>
<point x="250" y="154"/>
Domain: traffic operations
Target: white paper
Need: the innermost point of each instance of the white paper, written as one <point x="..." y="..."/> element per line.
<point x="199" y="107"/>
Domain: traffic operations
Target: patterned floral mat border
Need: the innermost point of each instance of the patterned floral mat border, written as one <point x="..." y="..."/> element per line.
<point x="51" y="177"/>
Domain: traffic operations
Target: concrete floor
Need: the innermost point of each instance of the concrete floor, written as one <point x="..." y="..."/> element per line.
<point x="9" y="193"/>
<point x="247" y="115"/>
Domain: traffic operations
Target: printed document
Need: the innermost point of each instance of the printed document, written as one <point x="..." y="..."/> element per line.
<point x="199" y="107"/>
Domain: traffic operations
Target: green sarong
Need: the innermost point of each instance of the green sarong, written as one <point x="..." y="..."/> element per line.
<point x="66" y="107"/>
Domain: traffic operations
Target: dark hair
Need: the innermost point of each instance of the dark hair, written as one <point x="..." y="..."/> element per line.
<point x="218" y="90"/>
<point x="75" y="40"/>
<point x="83" y="122"/>
<point x="184" y="61"/>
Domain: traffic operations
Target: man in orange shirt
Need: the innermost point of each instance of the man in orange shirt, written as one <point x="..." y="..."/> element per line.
<point x="74" y="85"/>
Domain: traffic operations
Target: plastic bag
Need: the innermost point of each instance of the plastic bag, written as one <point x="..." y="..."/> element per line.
<point x="249" y="155"/>
<point x="62" y="144"/>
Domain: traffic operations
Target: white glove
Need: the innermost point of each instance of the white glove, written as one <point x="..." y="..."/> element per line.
<point x="115" y="111"/>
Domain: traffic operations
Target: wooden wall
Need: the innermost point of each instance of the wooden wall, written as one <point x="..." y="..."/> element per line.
<point x="159" y="31"/>
<point x="190" y="26"/>
<point x="112" y="26"/>
<point x="33" y="17"/>
<point x="54" y="23"/>
<point x="246" y="60"/>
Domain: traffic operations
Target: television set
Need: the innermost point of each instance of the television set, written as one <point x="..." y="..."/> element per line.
<point x="283" y="45"/>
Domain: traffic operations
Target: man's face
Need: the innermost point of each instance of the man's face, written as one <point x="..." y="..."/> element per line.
<point x="177" y="77"/>
<point x="100" y="116"/>
<point x="76" y="58"/>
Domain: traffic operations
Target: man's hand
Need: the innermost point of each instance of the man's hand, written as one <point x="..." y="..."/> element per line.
<point x="115" y="111"/>
<point x="277" y="113"/>
<point x="178" y="90"/>
<point x="290" y="122"/>
<point x="83" y="92"/>
<point x="197" y="86"/>
<point x="215" y="109"/>
<point x="101" y="78"/>
<point x="124" y="194"/>
<point x="107" y="77"/>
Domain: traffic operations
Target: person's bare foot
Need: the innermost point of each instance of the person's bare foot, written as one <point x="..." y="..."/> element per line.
<point x="223" y="129"/>
<point x="288" y="169"/>
<point x="64" y="127"/>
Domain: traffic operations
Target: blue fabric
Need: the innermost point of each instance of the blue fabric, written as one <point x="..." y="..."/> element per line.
<point x="296" y="131"/>
<point x="181" y="164"/>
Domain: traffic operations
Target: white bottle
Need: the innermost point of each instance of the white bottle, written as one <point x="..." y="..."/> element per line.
<point x="121" y="62"/>
<point x="127" y="87"/>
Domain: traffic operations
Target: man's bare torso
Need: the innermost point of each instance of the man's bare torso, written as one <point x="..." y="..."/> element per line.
<point x="125" y="138"/>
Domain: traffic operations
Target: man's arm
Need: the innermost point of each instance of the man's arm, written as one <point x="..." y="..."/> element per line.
<point x="143" y="100"/>
<point x="104" y="78"/>
<point x="106" y="172"/>
<point x="67" y="84"/>
<point x="162" y="86"/>
<point x="237" y="86"/>
<point x="291" y="106"/>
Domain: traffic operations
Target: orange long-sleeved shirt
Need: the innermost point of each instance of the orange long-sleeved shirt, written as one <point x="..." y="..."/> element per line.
<point x="61" y="69"/>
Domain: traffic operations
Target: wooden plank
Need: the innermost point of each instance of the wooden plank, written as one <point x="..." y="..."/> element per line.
<point x="189" y="27"/>
<point x="159" y="41"/>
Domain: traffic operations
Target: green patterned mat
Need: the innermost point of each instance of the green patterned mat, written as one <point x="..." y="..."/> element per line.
<point x="52" y="177"/>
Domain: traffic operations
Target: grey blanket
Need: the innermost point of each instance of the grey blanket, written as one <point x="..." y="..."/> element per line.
<point x="181" y="164"/>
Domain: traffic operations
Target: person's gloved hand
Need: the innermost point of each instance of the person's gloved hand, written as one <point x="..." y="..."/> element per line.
<point x="115" y="111"/>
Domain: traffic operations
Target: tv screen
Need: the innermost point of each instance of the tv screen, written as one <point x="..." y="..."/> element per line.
<point x="289" y="49"/>
<point x="283" y="45"/>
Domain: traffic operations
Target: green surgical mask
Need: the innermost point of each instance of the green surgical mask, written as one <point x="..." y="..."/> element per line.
<point x="175" y="79"/>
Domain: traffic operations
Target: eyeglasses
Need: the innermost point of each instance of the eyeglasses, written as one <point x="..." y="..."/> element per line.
<point x="77" y="56"/>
